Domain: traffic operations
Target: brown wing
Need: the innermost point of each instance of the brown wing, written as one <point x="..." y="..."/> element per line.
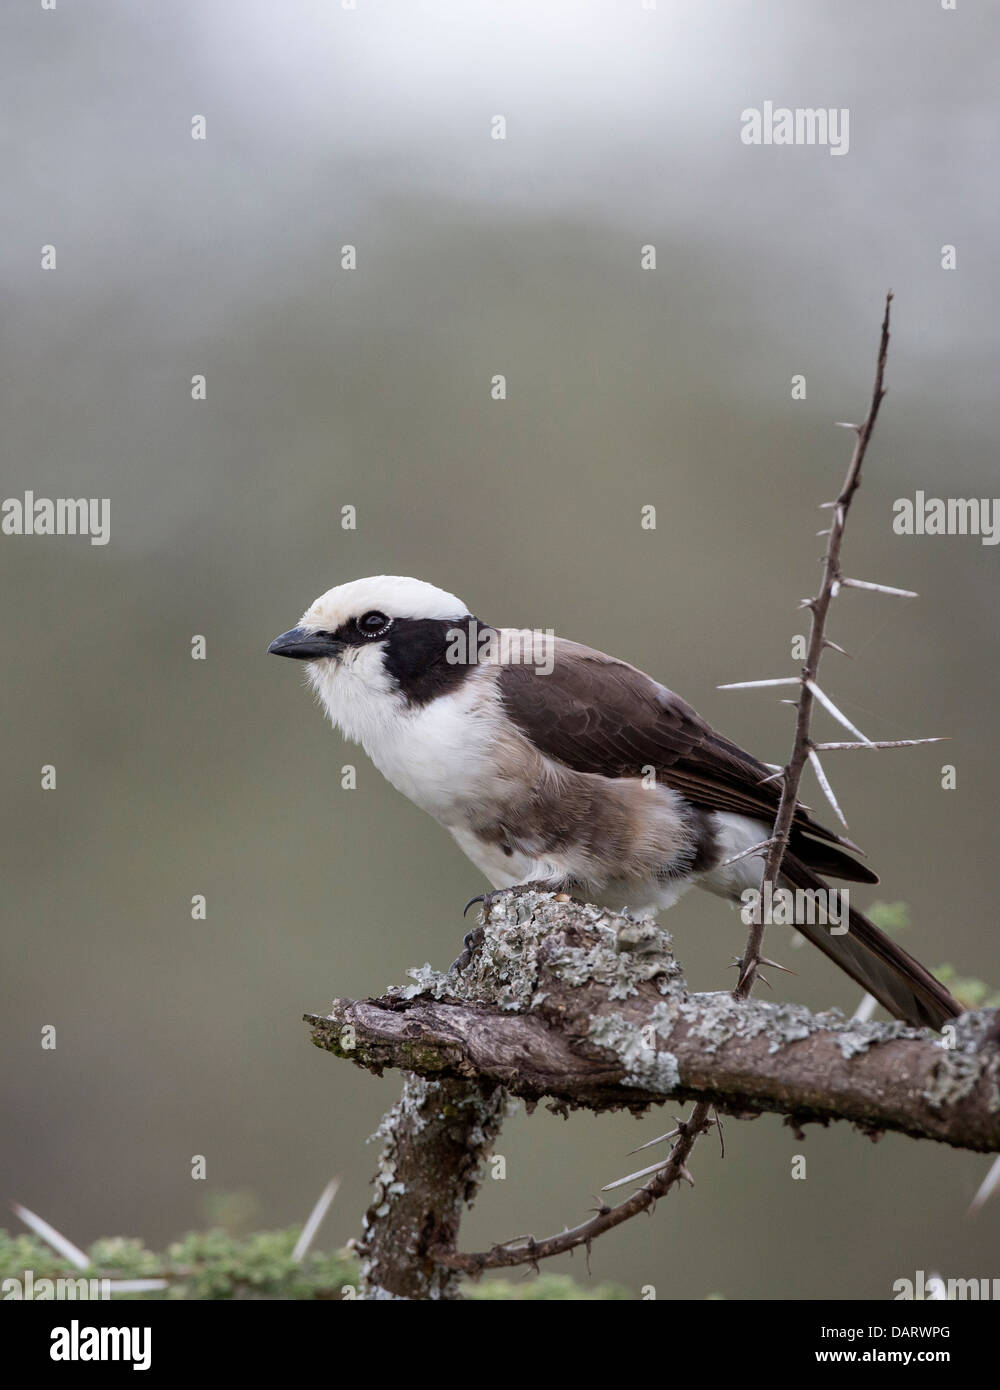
<point x="600" y="715"/>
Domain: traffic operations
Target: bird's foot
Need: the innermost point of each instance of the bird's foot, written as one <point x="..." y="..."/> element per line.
<point x="474" y="939"/>
<point x="470" y="944"/>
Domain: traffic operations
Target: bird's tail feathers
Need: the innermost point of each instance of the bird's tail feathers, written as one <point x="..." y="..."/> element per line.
<point x="876" y="962"/>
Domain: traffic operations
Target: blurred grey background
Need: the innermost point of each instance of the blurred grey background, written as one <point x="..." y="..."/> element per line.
<point x="371" y="388"/>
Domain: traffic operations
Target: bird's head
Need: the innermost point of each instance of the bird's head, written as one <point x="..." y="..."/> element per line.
<point x="376" y="645"/>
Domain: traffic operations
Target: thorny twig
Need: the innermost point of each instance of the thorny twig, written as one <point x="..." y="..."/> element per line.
<point x="605" y="1219"/>
<point x="803" y="748"/>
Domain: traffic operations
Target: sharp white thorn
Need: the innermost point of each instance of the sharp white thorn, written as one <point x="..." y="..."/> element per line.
<point x="831" y="708"/>
<point x="649" y="1143"/>
<point x="877" y="743"/>
<point x="775" y="965"/>
<point x="864" y="1011"/>
<point x="745" y="854"/>
<point x="987" y="1188"/>
<point x="753" y="685"/>
<point x="49" y="1233"/>
<point x="635" y="1177"/>
<point x="136" y="1285"/>
<point x="879" y="588"/>
<point x="315" y="1220"/>
<point x="821" y="778"/>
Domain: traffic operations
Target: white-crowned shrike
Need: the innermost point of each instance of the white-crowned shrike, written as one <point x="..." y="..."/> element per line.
<point x="552" y="763"/>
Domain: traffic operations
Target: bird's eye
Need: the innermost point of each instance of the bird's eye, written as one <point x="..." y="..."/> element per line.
<point x="374" y="624"/>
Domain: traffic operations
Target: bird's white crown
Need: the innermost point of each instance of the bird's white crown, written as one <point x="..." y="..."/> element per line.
<point x="394" y="595"/>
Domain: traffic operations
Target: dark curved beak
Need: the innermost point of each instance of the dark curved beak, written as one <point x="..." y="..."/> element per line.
<point x="303" y="645"/>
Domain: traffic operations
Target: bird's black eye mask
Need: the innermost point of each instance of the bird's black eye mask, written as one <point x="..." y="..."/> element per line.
<point x="426" y="657"/>
<point x="368" y="627"/>
<point x="457" y="641"/>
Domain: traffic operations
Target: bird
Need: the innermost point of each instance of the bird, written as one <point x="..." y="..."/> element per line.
<point x="555" y="765"/>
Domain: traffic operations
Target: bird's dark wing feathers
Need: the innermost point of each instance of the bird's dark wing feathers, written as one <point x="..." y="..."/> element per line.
<point x="596" y="714"/>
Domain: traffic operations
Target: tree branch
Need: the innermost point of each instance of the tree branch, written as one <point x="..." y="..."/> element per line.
<point x="436" y="1142"/>
<point x="589" y="1008"/>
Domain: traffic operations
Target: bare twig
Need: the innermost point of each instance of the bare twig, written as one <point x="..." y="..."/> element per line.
<point x="605" y="1219"/>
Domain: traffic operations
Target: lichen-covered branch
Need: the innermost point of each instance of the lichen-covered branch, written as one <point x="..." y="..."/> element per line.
<point x="436" y="1143"/>
<point x="589" y="1008"/>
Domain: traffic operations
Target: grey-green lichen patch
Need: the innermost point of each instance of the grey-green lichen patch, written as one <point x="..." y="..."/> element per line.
<point x="506" y="966"/>
<point x="408" y="1109"/>
<point x="646" y="1066"/>
<point x="621" y="972"/>
<point x="966" y="1043"/>
<point x="718" y="1019"/>
<point x="427" y="981"/>
<point x="642" y="936"/>
<point x="972" y="1031"/>
<point x="954" y="1078"/>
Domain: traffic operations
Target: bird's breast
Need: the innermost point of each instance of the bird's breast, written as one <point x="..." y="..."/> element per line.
<point x="447" y="755"/>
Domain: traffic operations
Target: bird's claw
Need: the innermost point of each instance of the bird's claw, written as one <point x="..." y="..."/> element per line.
<point x="474" y="938"/>
<point x="471" y="941"/>
<point x="488" y="899"/>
